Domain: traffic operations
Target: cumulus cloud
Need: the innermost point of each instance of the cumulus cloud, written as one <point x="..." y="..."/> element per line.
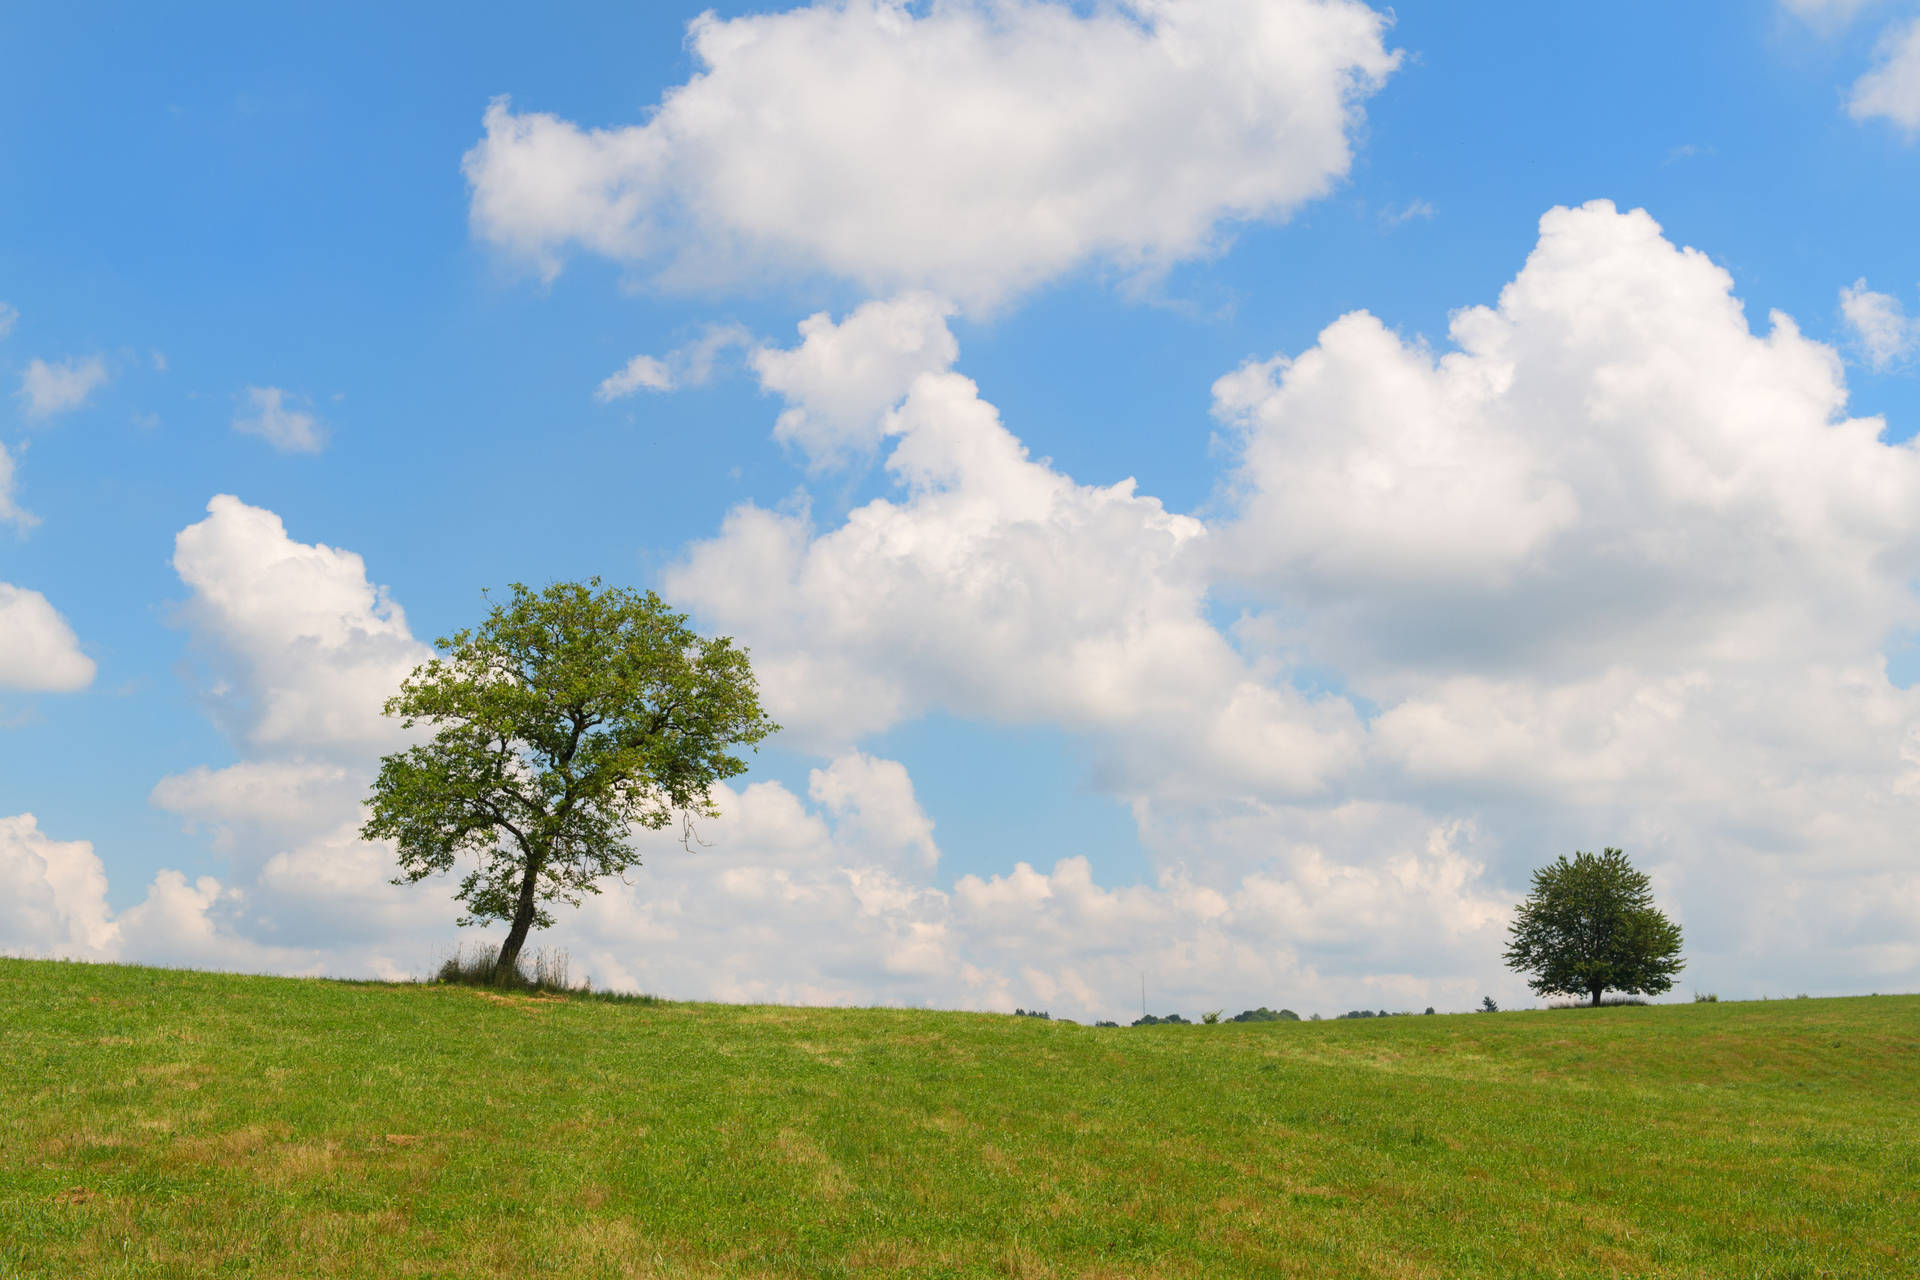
<point x="257" y="802"/>
<point x="53" y="902"/>
<point x="1891" y="90"/>
<point x="1881" y="328"/>
<point x="843" y="378"/>
<point x="974" y="149"/>
<point x="875" y="800"/>
<point x="308" y="649"/>
<point x="9" y="316"/>
<point x="822" y="902"/>
<point x="642" y="373"/>
<point x="38" y="651"/>
<point x="1673" y="632"/>
<point x="53" y="894"/>
<point x="996" y="587"/>
<point x="274" y="420"/>
<point x="689" y="365"/>
<point x="10" y="510"/>
<point x="1609" y="466"/>
<point x="799" y="908"/>
<point x="50" y="389"/>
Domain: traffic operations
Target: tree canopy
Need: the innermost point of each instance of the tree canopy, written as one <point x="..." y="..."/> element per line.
<point x="567" y="718"/>
<point x="1590" y="926"/>
<point x="1264" y="1014"/>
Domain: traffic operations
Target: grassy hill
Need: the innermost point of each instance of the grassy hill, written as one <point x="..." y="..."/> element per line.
<point x="163" y="1123"/>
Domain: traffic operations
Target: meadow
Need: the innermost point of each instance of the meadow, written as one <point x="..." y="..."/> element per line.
<point x="175" y="1123"/>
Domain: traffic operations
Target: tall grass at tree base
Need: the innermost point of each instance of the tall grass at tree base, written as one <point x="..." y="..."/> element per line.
<point x="545" y="971"/>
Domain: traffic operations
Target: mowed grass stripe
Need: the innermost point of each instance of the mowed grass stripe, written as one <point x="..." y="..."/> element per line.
<point x="171" y="1123"/>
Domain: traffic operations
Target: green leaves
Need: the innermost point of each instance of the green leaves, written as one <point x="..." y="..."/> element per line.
<point x="1590" y="926"/>
<point x="566" y="718"/>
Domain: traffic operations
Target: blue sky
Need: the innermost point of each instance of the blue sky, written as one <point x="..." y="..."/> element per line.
<point x="224" y="199"/>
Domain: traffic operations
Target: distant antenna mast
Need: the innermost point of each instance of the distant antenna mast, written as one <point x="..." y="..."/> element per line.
<point x="1143" y="993"/>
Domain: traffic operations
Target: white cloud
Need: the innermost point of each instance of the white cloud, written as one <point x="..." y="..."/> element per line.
<point x="1891" y="91"/>
<point x="643" y="372"/>
<point x="9" y="316"/>
<point x="689" y="365"/>
<point x="820" y="904"/>
<point x="973" y="149"/>
<point x="191" y="923"/>
<point x="53" y="902"/>
<point x="308" y="648"/>
<point x="786" y="906"/>
<point x="829" y="903"/>
<point x="38" y="650"/>
<point x="1881" y="328"/>
<point x="1610" y="467"/>
<point x="1412" y="486"/>
<point x="287" y="429"/>
<point x="1613" y="566"/>
<point x="49" y="389"/>
<point x="997" y="588"/>
<point x="10" y="510"/>
<point x="53" y="894"/>
<point x="258" y="802"/>
<point x="843" y="378"/>
<point x="1401" y="215"/>
<point x="875" y="799"/>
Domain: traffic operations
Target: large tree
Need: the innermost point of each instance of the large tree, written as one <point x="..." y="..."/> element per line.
<point x="1590" y="926"/>
<point x="566" y="719"/>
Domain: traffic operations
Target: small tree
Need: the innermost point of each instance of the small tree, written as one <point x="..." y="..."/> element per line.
<point x="1590" y="926"/>
<point x="567" y="718"/>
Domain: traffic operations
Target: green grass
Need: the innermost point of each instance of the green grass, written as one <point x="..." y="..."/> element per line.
<point x="163" y="1123"/>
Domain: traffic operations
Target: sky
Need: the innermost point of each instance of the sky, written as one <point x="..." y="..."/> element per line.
<point x="1216" y="491"/>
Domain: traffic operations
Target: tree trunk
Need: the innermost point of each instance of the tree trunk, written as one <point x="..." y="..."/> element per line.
<point x="1596" y="996"/>
<point x="522" y="925"/>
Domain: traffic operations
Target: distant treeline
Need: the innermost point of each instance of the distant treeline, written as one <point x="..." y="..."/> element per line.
<point x="1262" y="1014"/>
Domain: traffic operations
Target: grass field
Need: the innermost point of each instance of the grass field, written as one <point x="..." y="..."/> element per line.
<point x="164" y="1123"/>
